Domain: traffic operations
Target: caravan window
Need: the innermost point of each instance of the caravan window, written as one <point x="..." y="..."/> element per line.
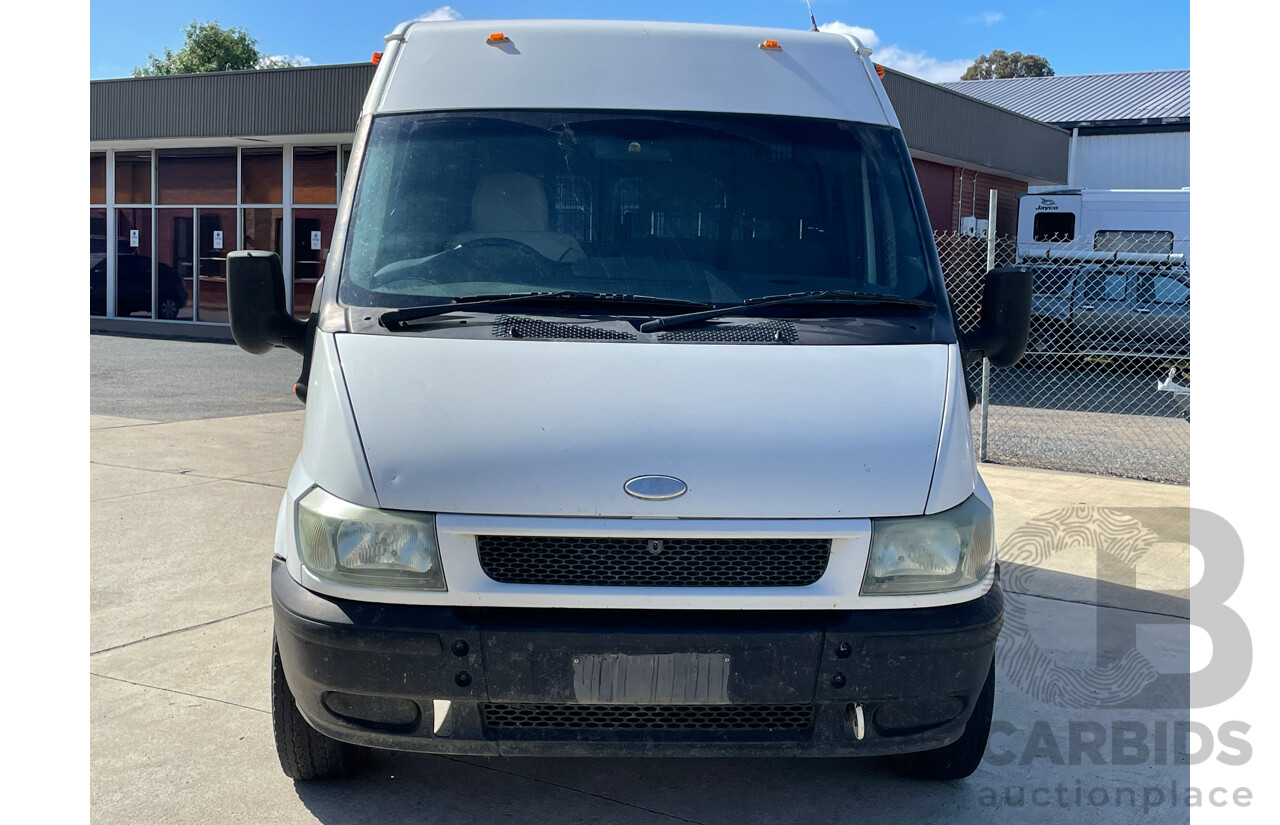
<point x="1054" y="227"/>
<point x="1125" y="240"/>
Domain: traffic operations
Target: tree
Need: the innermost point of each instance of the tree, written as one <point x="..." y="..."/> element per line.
<point x="210" y="48"/>
<point x="1002" y="64"/>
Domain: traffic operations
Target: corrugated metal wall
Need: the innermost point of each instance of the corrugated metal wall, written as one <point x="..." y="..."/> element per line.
<point x="311" y="100"/>
<point x="947" y="123"/>
<point x="1161" y="160"/>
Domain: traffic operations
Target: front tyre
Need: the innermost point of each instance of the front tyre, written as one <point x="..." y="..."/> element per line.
<point x="305" y="753"/>
<point x="962" y="757"/>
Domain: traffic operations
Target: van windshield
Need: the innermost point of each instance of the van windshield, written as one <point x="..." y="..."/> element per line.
<point x="712" y="209"/>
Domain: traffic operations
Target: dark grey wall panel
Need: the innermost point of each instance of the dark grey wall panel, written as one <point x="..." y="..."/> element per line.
<point x="956" y="126"/>
<point x="317" y="99"/>
<point x="323" y="99"/>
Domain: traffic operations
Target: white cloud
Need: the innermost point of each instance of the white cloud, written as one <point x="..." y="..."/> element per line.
<point x="894" y="56"/>
<point x="987" y="18"/>
<point x="922" y="65"/>
<point x="866" y="36"/>
<point x="441" y="14"/>
<point x="278" y="61"/>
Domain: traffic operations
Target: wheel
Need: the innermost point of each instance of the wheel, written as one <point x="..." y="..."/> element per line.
<point x="305" y="753"/>
<point x="962" y="757"/>
<point x="168" y="308"/>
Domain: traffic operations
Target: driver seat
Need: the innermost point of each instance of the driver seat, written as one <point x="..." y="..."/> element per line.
<point x="513" y="206"/>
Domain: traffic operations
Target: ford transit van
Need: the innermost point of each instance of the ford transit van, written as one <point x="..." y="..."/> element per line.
<point x="636" y="414"/>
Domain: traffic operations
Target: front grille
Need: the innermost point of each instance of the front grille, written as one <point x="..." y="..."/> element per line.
<point x="648" y="717"/>
<point x="640" y="562"/>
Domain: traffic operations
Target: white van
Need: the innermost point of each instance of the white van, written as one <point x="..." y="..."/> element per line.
<point x="1130" y="225"/>
<point x="636" y="417"/>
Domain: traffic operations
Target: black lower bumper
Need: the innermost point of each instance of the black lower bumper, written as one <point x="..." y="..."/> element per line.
<point x="521" y="681"/>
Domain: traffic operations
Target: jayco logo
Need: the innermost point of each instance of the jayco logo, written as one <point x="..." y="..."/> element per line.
<point x="1047" y="205"/>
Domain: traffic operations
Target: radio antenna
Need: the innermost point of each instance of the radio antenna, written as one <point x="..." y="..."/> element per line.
<point x="812" y="21"/>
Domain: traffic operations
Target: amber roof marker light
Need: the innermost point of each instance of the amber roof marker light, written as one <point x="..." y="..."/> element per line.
<point x="879" y="70"/>
<point x="771" y="45"/>
<point x="498" y="37"/>
<point x="377" y="58"/>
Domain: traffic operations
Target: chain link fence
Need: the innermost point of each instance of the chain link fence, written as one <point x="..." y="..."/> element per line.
<point x="1105" y="384"/>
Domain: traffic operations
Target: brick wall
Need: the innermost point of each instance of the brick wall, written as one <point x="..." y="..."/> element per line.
<point x="970" y="192"/>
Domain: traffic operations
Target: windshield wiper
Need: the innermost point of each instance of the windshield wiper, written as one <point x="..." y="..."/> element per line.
<point x="396" y="318"/>
<point x="834" y="295"/>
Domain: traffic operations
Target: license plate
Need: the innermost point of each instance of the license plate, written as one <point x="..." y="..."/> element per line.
<point x="651" y="679"/>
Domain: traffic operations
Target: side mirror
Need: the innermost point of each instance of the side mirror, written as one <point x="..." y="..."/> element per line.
<point x="256" y="306"/>
<point x="1001" y="334"/>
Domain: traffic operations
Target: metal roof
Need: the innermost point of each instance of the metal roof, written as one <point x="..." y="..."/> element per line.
<point x="1075" y="100"/>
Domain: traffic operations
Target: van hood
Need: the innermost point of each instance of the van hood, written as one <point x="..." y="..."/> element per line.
<point x="557" y="428"/>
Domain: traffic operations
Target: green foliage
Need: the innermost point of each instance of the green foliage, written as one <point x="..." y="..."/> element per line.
<point x="1002" y="64"/>
<point x="210" y="48"/>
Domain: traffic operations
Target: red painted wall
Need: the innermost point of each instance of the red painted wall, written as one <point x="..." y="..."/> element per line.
<point x="937" y="182"/>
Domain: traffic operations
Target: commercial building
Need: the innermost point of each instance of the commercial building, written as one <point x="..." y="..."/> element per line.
<point x="1128" y="131"/>
<point x="185" y="169"/>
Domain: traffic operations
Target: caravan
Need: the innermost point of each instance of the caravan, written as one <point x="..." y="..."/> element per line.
<point x="1119" y="225"/>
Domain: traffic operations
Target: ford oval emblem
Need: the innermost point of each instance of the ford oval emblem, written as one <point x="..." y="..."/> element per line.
<point x="655" y="488"/>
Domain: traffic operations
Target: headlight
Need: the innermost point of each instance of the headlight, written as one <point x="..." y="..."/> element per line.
<point x="349" y="544"/>
<point x="930" y="554"/>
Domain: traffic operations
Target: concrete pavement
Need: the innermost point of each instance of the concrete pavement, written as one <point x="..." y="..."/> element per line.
<point x="182" y="517"/>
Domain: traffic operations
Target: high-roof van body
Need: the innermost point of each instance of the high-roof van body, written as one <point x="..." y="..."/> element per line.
<point x="636" y="414"/>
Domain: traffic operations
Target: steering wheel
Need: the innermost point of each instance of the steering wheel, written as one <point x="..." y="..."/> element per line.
<point x="382" y="278"/>
<point x="494" y="241"/>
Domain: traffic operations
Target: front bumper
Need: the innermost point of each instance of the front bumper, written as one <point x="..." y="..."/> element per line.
<point x="519" y="682"/>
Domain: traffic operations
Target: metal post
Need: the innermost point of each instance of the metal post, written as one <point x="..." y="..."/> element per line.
<point x="986" y="394"/>
<point x="991" y="229"/>
<point x="986" y="365"/>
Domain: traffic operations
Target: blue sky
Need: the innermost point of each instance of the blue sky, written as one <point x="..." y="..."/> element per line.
<point x="934" y="40"/>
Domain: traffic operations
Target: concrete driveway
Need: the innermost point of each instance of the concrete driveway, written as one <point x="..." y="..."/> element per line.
<point x="182" y="516"/>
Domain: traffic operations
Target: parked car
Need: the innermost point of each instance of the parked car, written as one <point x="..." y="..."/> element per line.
<point x="133" y="287"/>
<point x="1110" y="309"/>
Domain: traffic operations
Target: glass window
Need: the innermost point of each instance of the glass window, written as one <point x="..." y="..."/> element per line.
<point x="708" y="208"/>
<point x="1050" y="280"/>
<point x="315" y="174"/>
<point x="262" y="175"/>
<point x="312" y="236"/>
<point x="1104" y="285"/>
<point x="133" y="177"/>
<point x="1133" y="241"/>
<point x="262" y="229"/>
<point x="215" y="238"/>
<point x="97" y="262"/>
<point x="1163" y="289"/>
<point x="197" y="176"/>
<point x="133" y="263"/>
<point x="97" y="177"/>
<point x="1053" y="227"/>
<point x="175" y="256"/>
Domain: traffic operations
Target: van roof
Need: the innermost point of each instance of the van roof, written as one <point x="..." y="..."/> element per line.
<point x="618" y="65"/>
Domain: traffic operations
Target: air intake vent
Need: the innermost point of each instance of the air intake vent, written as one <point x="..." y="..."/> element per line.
<point x="766" y="332"/>
<point x="642" y="562"/>
<point x="513" y="326"/>
<point x="648" y="717"/>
